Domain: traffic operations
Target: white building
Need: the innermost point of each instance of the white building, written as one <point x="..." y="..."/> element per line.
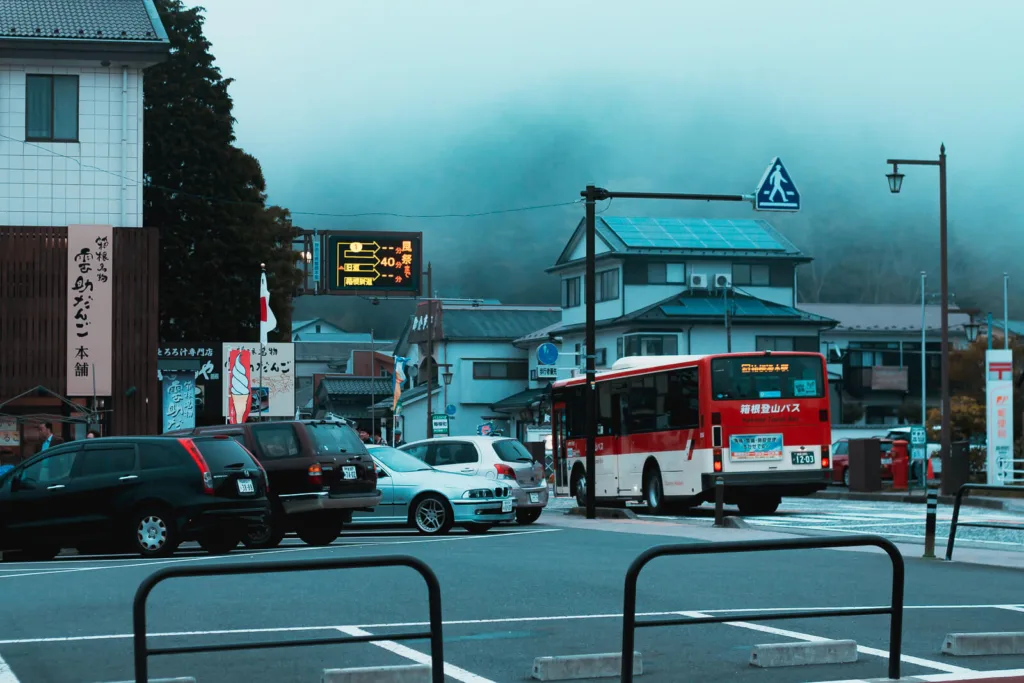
<point x="664" y="286"/>
<point x="71" y="109"/>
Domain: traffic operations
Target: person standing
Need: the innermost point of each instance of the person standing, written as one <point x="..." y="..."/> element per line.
<point x="49" y="438"/>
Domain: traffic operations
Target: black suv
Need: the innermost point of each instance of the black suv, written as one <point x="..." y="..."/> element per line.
<point x="320" y="473"/>
<point x="147" y="494"/>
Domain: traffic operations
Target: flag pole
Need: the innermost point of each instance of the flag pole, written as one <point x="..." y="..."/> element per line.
<point x="263" y="273"/>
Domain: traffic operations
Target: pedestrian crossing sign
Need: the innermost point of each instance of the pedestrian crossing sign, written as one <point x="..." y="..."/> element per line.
<point x="776" y="191"/>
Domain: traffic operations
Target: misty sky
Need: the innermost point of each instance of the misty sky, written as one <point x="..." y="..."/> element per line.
<point x="463" y="105"/>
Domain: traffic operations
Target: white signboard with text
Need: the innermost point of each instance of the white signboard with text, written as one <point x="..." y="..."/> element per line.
<point x="273" y="391"/>
<point x="999" y="416"/>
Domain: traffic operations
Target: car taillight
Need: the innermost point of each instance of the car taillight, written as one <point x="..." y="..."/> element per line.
<point x="505" y="472"/>
<point x="316" y="475"/>
<point x="266" y="477"/>
<point x="718" y="459"/>
<point x="372" y="472"/>
<point x="197" y="457"/>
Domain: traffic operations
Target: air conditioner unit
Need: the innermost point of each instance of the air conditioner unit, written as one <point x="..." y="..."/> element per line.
<point x="723" y="281"/>
<point x="698" y="281"/>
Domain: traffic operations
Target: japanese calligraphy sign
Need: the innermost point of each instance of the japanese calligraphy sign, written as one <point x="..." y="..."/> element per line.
<point x="90" y="310"/>
<point x="999" y="415"/>
<point x="179" y="393"/>
<point x="274" y="394"/>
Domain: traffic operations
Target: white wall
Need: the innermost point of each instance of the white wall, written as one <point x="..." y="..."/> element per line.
<point x="580" y="250"/>
<point x="38" y="186"/>
<point x="466" y="390"/>
<point x="603" y="310"/>
<point x="712" y="338"/>
<point x="642" y="296"/>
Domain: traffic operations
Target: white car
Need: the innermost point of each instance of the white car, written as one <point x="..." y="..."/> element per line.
<point x="498" y="459"/>
<point x="433" y="501"/>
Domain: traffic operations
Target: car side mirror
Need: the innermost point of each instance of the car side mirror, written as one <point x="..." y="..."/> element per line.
<point x="18" y="483"/>
<point x="381" y="473"/>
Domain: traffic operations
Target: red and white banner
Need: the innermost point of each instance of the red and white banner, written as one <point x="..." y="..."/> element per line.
<point x="267" y="320"/>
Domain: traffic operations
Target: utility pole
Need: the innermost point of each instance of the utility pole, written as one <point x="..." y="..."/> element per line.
<point x="728" y="323"/>
<point x="373" y="394"/>
<point x="430" y="351"/>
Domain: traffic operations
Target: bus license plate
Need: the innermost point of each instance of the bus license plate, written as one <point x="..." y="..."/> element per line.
<point x="506" y="505"/>
<point x="803" y="458"/>
<point x="245" y="486"/>
<point x="348" y="471"/>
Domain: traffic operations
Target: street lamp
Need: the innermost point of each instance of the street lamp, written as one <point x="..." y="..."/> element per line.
<point x="895" y="184"/>
<point x="447" y="374"/>
<point x="971" y="329"/>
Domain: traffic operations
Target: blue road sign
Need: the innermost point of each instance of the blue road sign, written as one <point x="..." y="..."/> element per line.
<point x="776" y="191"/>
<point x="547" y="354"/>
<point x="450" y="410"/>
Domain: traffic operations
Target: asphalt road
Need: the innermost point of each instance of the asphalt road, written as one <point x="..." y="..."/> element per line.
<point x="509" y="596"/>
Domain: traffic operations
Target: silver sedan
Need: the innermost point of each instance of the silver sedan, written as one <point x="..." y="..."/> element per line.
<point x="433" y="501"/>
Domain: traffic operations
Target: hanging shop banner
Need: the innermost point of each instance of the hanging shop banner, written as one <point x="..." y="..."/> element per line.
<point x="271" y="378"/>
<point x="179" y="400"/>
<point x="90" y="310"/>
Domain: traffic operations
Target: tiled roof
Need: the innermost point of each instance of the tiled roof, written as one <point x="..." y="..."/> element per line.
<point x="886" y="317"/>
<point x="335" y="352"/>
<point x="107" y="20"/>
<point x="494" y="322"/>
<point x="539" y="335"/>
<point x="357" y="386"/>
<point x="304" y="398"/>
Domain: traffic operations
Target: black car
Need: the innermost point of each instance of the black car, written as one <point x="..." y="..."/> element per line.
<point x="144" y="494"/>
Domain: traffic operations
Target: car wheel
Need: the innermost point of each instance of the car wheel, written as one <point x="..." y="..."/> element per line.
<point x="219" y="542"/>
<point x="526" y="516"/>
<point x="319" y="532"/>
<point x="846" y="477"/>
<point x="268" y="536"/>
<point x="154" y="533"/>
<point x="479" y="528"/>
<point x="759" y="505"/>
<point x="654" y="492"/>
<point x="432" y="515"/>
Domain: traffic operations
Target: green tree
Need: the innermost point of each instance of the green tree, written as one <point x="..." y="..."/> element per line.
<point x="208" y="198"/>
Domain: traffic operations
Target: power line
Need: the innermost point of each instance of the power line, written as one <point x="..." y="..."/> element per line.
<point x="320" y="214"/>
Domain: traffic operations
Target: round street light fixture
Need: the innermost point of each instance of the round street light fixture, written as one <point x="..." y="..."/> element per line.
<point x="895" y="179"/>
<point x="971" y="329"/>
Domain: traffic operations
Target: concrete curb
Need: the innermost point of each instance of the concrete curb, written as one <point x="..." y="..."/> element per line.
<point x="579" y="667"/>
<point x="166" y="680"/>
<point x="603" y="513"/>
<point x="775" y="655"/>
<point x="735" y="523"/>
<point x="409" y="673"/>
<point x="881" y="497"/>
<point x="978" y="644"/>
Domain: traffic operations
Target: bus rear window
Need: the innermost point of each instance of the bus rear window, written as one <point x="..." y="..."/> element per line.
<point x="766" y="377"/>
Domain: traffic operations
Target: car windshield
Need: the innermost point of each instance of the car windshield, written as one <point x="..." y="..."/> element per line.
<point x="332" y="437"/>
<point x="398" y="461"/>
<point x="761" y="377"/>
<point x="511" y="450"/>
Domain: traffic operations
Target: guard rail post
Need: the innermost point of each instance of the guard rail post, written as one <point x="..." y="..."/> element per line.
<point x="955" y="523"/>
<point x="929" y="524"/>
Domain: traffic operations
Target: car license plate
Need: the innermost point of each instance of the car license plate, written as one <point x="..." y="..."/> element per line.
<point x="803" y="458"/>
<point x="534" y="497"/>
<point x="506" y="505"/>
<point x="348" y="471"/>
<point x="246" y="486"/>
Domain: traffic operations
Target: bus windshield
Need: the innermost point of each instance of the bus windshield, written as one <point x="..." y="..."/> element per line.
<point x="766" y="377"/>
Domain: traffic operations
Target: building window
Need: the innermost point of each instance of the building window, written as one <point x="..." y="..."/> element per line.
<point x="751" y="275"/>
<point x="51" y="108"/>
<point x="600" y="357"/>
<point x="651" y="345"/>
<point x="571" y="292"/>
<point x="500" y="369"/>
<point x="318" y="328"/>
<point x="787" y="344"/>
<point x="666" y="273"/>
<point x="607" y="285"/>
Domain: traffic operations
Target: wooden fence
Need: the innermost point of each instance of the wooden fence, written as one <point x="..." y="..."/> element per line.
<point x="33" y="320"/>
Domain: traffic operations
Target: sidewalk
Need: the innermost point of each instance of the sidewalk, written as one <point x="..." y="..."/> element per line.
<point x="986" y="502"/>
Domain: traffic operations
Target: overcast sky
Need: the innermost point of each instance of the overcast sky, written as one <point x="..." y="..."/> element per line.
<point x="469" y="105"/>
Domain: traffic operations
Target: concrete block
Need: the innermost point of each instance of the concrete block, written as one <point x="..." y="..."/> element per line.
<point x="800" y="654"/>
<point x="411" y="673"/>
<point x="603" y="513"/>
<point x="734" y="523"/>
<point x="974" y="644"/>
<point x="576" y="667"/>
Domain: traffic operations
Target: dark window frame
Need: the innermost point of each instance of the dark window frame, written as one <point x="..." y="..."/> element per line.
<point x="746" y="278"/>
<point x="603" y="281"/>
<point x="270" y="427"/>
<point x="661" y="275"/>
<point x="52" y="78"/>
<point x="813" y="346"/>
<point x="478" y="366"/>
<point x="638" y="340"/>
<point x="571" y="297"/>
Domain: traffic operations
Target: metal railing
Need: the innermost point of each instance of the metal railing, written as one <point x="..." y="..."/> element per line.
<point x="895" y="610"/>
<point x="955" y="523"/>
<point x="143" y="651"/>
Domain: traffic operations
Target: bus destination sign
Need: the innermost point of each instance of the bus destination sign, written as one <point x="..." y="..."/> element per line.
<point x="748" y="368"/>
<point x="374" y="262"/>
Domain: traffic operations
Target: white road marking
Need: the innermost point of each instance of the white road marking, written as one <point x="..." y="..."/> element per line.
<point x="472" y="622"/>
<point x="855" y="531"/>
<point x="233" y="556"/>
<point x="6" y="675"/>
<point x="1012" y="608"/>
<point x="450" y="670"/>
<point x="926" y="663"/>
<point x="966" y="676"/>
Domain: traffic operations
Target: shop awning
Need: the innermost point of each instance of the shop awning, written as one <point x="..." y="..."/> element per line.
<point x="520" y="401"/>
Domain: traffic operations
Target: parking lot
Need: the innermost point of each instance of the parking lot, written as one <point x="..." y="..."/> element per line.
<point x="508" y="597"/>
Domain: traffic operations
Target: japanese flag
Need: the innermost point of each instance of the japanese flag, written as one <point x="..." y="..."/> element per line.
<point x="267" y="319"/>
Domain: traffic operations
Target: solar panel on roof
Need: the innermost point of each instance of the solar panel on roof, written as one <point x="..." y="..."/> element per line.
<point x="692" y="233"/>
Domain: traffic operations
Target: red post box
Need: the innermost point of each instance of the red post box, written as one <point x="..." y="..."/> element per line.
<point x="900" y="465"/>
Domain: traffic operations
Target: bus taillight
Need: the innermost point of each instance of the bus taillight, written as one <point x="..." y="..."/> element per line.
<point x="824" y="462"/>
<point x="718" y="459"/>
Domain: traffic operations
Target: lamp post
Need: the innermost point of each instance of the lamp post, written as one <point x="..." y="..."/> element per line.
<point x="971" y="330"/>
<point x="895" y="184"/>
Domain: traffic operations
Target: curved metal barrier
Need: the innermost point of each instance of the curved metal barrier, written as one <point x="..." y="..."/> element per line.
<point x="987" y="525"/>
<point x="143" y="651"/>
<point x="895" y="610"/>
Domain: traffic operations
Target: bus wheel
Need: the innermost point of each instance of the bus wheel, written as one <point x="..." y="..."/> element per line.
<point x="654" y="492"/>
<point x="580" y="486"/>
<point x="756" y="506"/>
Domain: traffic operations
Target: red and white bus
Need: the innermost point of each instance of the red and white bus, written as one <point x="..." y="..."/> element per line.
<point x="668" y="426"/>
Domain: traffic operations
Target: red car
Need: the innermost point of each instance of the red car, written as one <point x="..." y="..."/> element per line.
<point x="841" y="460"/>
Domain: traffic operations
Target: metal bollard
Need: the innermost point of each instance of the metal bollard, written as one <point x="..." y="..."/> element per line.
<point x="929" y="524"/>
<point x="719" y="502"/>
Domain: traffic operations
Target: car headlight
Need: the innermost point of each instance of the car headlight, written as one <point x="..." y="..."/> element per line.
<point x="478" y="493"/>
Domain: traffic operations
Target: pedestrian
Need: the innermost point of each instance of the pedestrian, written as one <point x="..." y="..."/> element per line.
<point x="49" y="438"/>
<point x="92" y="434"/>
<point x="398" y="438"/>
<point x="364" y="436"/>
